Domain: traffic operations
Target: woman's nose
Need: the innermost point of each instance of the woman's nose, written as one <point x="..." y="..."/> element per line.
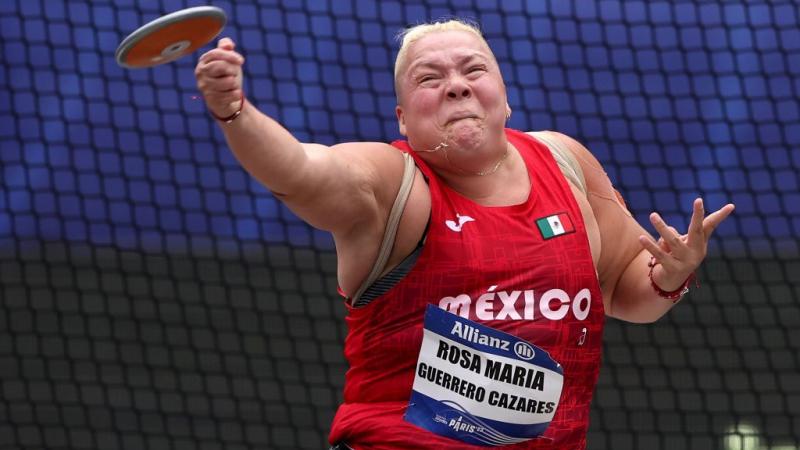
<point x="458" y="89"/>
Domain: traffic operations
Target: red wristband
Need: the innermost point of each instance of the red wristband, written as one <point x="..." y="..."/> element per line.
<point x="675" y="295"/>
<point x="233" y="116"/>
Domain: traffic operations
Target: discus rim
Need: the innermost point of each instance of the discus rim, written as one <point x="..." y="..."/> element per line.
<point x="211" y="19"/>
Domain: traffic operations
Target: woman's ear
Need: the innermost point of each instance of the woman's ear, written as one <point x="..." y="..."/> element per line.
<point x="401" y="121"/>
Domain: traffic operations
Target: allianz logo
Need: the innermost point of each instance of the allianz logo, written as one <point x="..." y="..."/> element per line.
<point x="552" y="304"/>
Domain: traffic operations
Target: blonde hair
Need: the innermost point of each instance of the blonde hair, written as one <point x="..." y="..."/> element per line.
<point x="417" y="32"/>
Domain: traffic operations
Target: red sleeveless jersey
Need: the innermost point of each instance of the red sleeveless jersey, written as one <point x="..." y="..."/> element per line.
<point x="537" y="252"/>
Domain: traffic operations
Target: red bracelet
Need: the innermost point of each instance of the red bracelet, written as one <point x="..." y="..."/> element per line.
<point x="233" y="116"/>
<point x="675" y="295"/>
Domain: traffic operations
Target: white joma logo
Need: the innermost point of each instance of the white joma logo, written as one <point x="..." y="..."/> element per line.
<point x="461" y="221"/>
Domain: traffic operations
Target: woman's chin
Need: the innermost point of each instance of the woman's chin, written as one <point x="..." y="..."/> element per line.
<point x="467" y="134"/>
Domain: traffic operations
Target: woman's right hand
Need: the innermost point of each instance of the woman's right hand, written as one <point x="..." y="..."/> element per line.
<point x="219" y="78"/>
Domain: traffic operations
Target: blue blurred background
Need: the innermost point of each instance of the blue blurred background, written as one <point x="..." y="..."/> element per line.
<point x="676" y="100"/>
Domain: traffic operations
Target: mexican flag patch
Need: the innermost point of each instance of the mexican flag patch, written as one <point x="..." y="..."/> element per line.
<point x="555" y="225"/>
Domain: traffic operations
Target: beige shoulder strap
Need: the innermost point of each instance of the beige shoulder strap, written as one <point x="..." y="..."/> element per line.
<point x="391" y="227"/>
<point x="565" y="159"/>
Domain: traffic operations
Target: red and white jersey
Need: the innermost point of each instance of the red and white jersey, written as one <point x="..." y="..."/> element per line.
<point x="525" y="269"/>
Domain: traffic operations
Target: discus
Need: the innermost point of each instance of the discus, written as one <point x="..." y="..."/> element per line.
<point x="170" y="37"/>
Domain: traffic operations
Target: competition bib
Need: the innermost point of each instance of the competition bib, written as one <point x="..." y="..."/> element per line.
<point x="481" y="386"/>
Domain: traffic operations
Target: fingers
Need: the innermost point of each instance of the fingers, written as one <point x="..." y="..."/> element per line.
<point x="218" y="85"/>
<point x="663" y="244"/>
<point x="219" y="77"/>
<point x="700" y="227"/>
<point x="659" y="252"/>
<point x="216" y="66"/>
<point x="695" y="233"/>
<point x="226" y="43"/>
<point x="681" y="254"/>
<point x="672" y="239"/>
<point x="221" y="54"/>
<point x="225" y="51"/>
<point x="219" y="69"/>
<point x="713" y="220"/>
<point x="674" y="246"/>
